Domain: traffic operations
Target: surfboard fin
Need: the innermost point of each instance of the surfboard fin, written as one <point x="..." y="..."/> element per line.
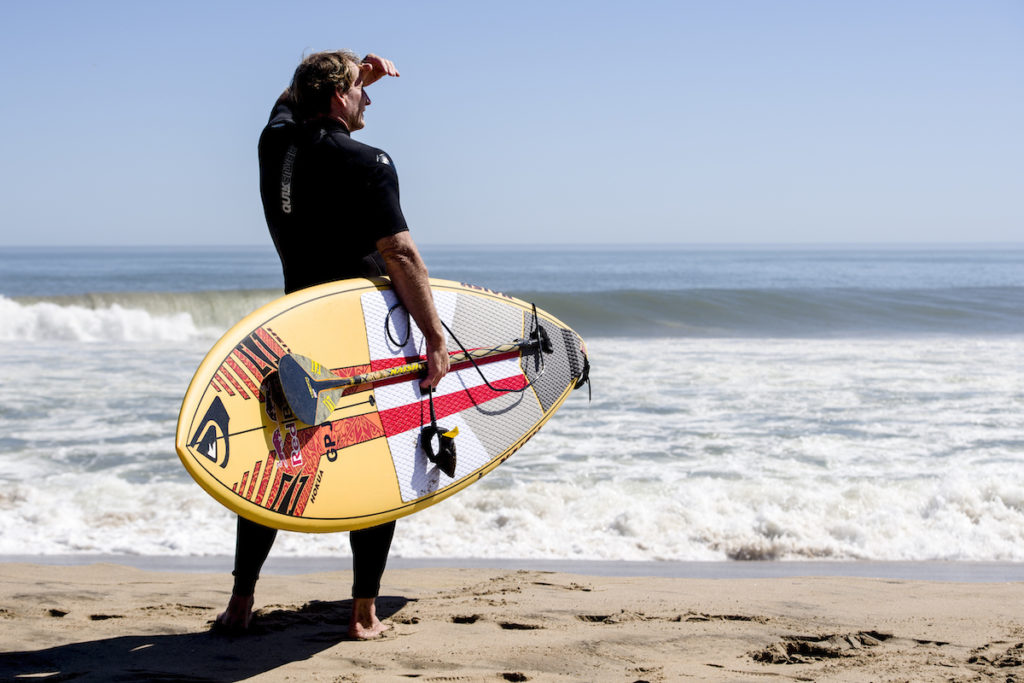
<point x="584" y="377"/>
<point x="542" y="338"/>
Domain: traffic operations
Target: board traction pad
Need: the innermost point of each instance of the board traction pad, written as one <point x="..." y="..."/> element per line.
<point x="480" y="439"/>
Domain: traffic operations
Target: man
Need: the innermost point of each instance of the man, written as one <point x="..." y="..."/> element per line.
<point x="333" y="211"/>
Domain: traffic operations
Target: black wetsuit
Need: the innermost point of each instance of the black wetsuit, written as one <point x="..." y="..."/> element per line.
<point x="327" y="199"/>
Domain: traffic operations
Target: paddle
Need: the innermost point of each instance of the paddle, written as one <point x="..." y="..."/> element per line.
<point x="312" y="390"/>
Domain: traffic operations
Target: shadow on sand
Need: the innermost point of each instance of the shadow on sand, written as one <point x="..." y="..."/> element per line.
<point x="276" y="638"/>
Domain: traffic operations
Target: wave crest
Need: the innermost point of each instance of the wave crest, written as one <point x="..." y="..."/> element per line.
<point x="126" y="317"/>
<point x="753" y="313"/>
<point x="787" y="312"/>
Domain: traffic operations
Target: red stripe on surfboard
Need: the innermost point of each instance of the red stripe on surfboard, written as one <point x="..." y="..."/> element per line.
<point x="244" y="376"/>
<point x="351" y="370"/>
<point x="234" y="382"/>
<point x="270" y="341"/>
<point x="415" y="415"/>
<point x="343" y="433"/>
<point x="255" y="476"/>
<point x="388" y="363"/>
<point x="220" y="377"/>
<point x="265" y="480"/>
<point x="249" y="365"/>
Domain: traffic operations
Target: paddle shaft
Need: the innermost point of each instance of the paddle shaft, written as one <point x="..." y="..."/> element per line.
<point x="415" y="368"/>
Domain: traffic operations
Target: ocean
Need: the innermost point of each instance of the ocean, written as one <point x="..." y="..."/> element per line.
<point x="748" y="403"/>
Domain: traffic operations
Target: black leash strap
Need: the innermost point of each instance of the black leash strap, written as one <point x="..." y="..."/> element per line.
<point x="444" y="456"/>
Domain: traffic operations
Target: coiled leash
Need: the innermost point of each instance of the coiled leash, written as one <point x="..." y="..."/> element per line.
<point x="444" y="456"/>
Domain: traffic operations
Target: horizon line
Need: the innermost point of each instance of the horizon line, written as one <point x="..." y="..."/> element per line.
<point x="555" y="245"/>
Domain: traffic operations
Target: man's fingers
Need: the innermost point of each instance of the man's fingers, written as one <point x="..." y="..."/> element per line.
<point x="438" y="365"/>
<point x="379" y="67"/>
<point x="431" y="380"/>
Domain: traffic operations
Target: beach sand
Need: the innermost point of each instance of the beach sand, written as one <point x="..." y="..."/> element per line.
<point x="108" y="622"/>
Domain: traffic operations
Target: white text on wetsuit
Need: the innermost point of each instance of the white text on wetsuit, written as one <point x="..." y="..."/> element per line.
<point x="286" y="179"/>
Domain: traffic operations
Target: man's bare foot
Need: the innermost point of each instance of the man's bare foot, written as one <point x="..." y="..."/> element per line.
<point x="365" y="625"/>
<point x="237" y="617"/>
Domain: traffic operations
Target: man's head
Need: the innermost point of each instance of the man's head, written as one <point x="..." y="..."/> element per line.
<point x="330" y="84"/>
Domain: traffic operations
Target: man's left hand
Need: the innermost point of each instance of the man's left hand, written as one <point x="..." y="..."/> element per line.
<point x="375" y="67"/>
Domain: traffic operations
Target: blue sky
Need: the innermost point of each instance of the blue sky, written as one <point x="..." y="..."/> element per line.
<point x="720" y="121"/>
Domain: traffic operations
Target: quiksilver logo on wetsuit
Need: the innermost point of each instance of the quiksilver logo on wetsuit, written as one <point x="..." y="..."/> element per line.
<point x="286" y="179"/>
<point x="382" y="158"/>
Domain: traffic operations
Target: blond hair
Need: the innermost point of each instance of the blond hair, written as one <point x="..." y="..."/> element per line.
<point x="317" y="78"/>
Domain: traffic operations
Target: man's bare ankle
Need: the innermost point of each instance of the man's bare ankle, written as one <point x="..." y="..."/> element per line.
<point x="238" y="614"/>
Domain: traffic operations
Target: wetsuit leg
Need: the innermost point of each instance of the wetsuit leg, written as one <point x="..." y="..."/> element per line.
<point x="252" y="545"/>
<point x="369" y="557"/>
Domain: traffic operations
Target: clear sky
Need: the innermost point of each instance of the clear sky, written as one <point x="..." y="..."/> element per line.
<point x="722" y="121"/>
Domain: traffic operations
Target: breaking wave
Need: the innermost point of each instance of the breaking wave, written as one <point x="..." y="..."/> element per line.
<point x="147" y="316"/>
<point x="126" y="316"/>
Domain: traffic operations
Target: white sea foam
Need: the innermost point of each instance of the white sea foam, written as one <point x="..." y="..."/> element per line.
<point x="952" y="519"/>
<point x="47" y="321"/>
<point x="901" y="449"/>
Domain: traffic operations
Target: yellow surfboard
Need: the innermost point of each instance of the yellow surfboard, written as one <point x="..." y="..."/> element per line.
<point x="360" y="458"/>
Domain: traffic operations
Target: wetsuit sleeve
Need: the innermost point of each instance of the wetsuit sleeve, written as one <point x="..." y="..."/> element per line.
<point x="382" y="206"/>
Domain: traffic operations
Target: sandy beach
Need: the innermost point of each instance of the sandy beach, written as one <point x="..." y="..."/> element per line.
<point x="109" y="622"/>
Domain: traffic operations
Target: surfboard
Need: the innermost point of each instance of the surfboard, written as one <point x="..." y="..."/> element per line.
<point x="307" y="414"/>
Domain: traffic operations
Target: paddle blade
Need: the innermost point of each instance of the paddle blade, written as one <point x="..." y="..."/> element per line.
<point x="299" y="379"/>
